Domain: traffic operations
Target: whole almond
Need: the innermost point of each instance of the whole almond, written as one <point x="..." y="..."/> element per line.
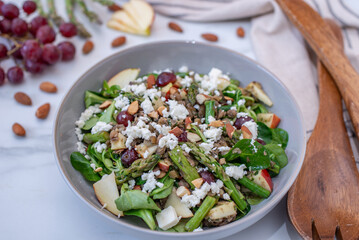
<point x="43" y="111"/>
<point x="119" y="41"/>
<point x="18" y="130"/>
<point x="48" y="87"/>
<point x="240" y="32"/>
<point x="175" y="27"/>
<point x="210" y="37"/>
<point x="87" y="47"/>
<point x="114" y="7"/>
<point x="23" y="98"/>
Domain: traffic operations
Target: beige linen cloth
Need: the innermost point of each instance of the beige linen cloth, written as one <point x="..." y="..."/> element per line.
<point x="276" y="42"/>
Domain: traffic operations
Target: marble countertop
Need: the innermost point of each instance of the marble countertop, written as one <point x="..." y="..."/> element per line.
<point x="35" y="201"/>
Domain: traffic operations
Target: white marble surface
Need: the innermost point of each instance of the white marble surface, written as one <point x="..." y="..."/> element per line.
<point x="35" y="202"/>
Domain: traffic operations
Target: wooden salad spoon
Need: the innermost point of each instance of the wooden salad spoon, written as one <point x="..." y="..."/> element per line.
<point x="324" y="200"/>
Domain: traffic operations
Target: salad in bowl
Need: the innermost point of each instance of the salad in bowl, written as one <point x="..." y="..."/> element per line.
<point x="182" y="150"/>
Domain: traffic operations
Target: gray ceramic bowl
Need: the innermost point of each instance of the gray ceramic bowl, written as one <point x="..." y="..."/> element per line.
<point x="201" y="58"/>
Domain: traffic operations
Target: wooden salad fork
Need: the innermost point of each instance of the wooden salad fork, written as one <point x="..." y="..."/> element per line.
<point x="324" y="200"/>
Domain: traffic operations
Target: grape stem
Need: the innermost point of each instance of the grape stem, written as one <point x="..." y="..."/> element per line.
<point x="53" y="13"/>
<point x="92" y="16"/>
<point x="70" y="12"/>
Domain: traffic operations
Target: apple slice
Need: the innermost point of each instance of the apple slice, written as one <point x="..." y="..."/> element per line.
<point x="106" y="192"/>
<point x="181" y="209"/>
<point x="255" y="88"/>
<point x="120" y="26"/>
<point x="124" y="77"/>
<point x="146" y="149"/>
<point x="121" y="21"/>
<point x="141" y="13"/>
<point x="263" y="179"/>
<point x="119" y="142"/>
<point x="269" y="119"/>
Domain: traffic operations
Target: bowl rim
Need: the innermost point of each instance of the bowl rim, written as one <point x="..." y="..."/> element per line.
<point x="253" y="218"/>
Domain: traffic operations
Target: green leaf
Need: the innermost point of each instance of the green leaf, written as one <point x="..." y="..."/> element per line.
<point x="182" y="74"/>
<point x="135" y="199"/>
<point x="107" y="114"/>
<point x="164" y="191"/>
<point x="277" y="154"/>
<point x="244" y="152"/>
<point x="275" y="136"/>
<point x="110" y="92"/>
<point x="254" y="200"/>
<point x="81" y="164"/>
<point x="280" y="136"/>
<point x="259" y="108"/>
<point x="264" y="132"/>
<point x="92" y="98"/>
<point x="90" y="123"/>
<point x="97" y="137"/>
<point x="146" y="216"/>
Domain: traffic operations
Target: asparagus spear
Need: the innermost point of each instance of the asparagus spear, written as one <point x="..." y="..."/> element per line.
<point x="255" y="188"/>
<point x="137" y="168"/>
<point x="53" y="13"/>
<point x="70" y="12"/>
<point x="209" y="110"/>
<point x="219" y="172"/>
<point x="192" y="93"/>
<point x="198" y="132"/>
<point x="105" y="2"/>
<point x="92" y="16"/>
<point x="189" y="172"/>
<point x="196" y="220"/>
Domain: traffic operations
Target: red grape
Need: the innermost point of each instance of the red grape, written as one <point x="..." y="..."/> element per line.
<point x="123" y="118"/>
<point x="17" y="53"/>
<point x="128" y="157"/>
<point x="10" y="11"/>
<point x="31" y="50"/>
<point x="2" y="76"/>
<point x="68" y="30"/>
<point x="50" y="54"/>
<point x="1" y="4"/>
<point x="182" y="137"/>
<point x="165" y="78"/>
<point x="19" y="27"/>
<point x="15" y="75"/>
<point x="36" y="23"/>
<point x="34" y="67"/>
<point x="3" y="51"/>
<point x="46" y="34"/>
<point x="207" y="176"/>
<point x="5" y="26"/>
<point x="261" y="141"/>
<point x="68" y="50"/>
<point x="239" y="121"/>
<point x="29" y="7"/>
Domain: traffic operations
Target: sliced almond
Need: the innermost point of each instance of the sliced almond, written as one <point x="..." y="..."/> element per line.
<point x="198" y="182"/>
<point x="151" y="80"/>
<point x="176" y="131"/>
<point x="222" y="161"/>
<point x="153" y="115"/>
<point x="18" y="130"/>
<point x="228" y="98"/>
<point x="87" y="47"/>
<point x="137" y="187"/>
<point x="161" y="109"/>
<point x="193" y="137"/>
<point x="23" y="98"/>
<point x="99" y="169"/>
<point x="43" y="111"/>
<point x="182" y="190"/>
<point x="217" y="123"/>
<point x="175" y="27"/>
<point x="173" y="90"/>
<point x="119" y="41"/>
<point x="48" y="87"/>
<point x="105" y="104"/>
<point x="133" y="108"/>
<point x="201" y="98"/>
<point x="230" y="130"/>
<point x="210" y="37"/>
<point x="188" y="122"/>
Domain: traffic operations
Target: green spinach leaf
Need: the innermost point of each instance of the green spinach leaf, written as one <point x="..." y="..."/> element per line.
<point x="275" y="136"/>
<point x="81" y="164"/>
<point x="277" y="154"/>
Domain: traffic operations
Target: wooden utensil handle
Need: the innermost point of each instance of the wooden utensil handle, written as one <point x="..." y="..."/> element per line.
<point x="323" y="42"/>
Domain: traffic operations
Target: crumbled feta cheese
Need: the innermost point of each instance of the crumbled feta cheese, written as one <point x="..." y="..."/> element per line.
<point x="199" y="229"/>
<point x="122" y="102"/>
<point x="236" y="172"/>
<point x="136" y="89"/>
<point x="203" y="126"/>
<point x="131" y="184"/>
<point x="197" y="77"/>
<point x="241" y="114"/>
<point x="254" y="146"/>
<point x="163" y="99"/>
<point x="229" y="102"/>
<point x="207" y="146"/>
<point x="152" y="93"/>
<point x="226" y="196"/>
<point x="147" y="106"/>
<point x="177" y="111"/>
<point x="151" y="182"/>
<point x="231" y="92"/>
<point x="161" y="129"/>
<point x="186" y="81"/>
<point x="81" y="147"/>
<point x="87" y="114"/>
<point x="79" y="134"/>
<point x="161" y="71"/>
<point x="101" y="127"/>
<point x="252" y="127"/>
<point x="196" y="106"/>
<point x="213" y="134"/>
<point x="216" y="186"/>
<point x="100" y="146"/>
<point x="224" y="149"/>
<point x="199" y="169"/>
<point x="211" y="119"/>
<point x="216" y="92"/>
<point x="145" y="155"/>
<point x="233" y="108"/>
<point x="170" y="141"/>
<point x="241" y="102"/>
<point x="211" y="81"/>
<point x="93" y="166"/>
<point x="140" y="130"/>
<point x="183" y="69"/>
<point x="186" y="148"/>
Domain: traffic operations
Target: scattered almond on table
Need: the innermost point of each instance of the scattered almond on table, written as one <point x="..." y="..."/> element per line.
<point x="119" y="41"/>
<point x="210" y="37"/>
<point x="48" y="87"/>
<point x="23" y="98"/>
<point x="43" y="111"/>
<point x="175" y="27"/>
<point x="18" y="130"/>
<point x="240" y="32"/>
<point x="87" y="47"/>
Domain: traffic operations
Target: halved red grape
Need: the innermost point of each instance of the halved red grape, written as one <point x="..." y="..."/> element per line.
<point x="241" y="120"/>
<point x="31" y="50"/>
<point x="10" y="11"/>
<point x="2" y="76"/>
<point x="68" y="50"/>
<point x="34" y="67"/>
<point x="36" y="23"/>
<point x="46" y="34"/>
<point x="15" y="75"/>
<point x="19" y="27"/>
<point x="123" y="118"/>
<point x="29" y="7"/>
<point x="3" y="51"/>
<point x="182" y="137"/>
<point x="68" y="30"/>
<point x="50" y="54"/>
<point x="165" y="78"/>
<point x="5" y="26"/>
<point x="128" y="157"/>
<point x="261" y="141"/>
<point x="207" y="176"/>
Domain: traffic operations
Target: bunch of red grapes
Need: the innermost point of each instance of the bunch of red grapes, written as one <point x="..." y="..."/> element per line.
<point x="32" y="44"/>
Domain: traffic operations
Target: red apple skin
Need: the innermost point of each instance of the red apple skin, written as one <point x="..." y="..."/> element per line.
<point x="246" y="133"/>
<point x="263" y="179"/>
<point x="163" y="166"/>
<point x="275" y="121"/>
